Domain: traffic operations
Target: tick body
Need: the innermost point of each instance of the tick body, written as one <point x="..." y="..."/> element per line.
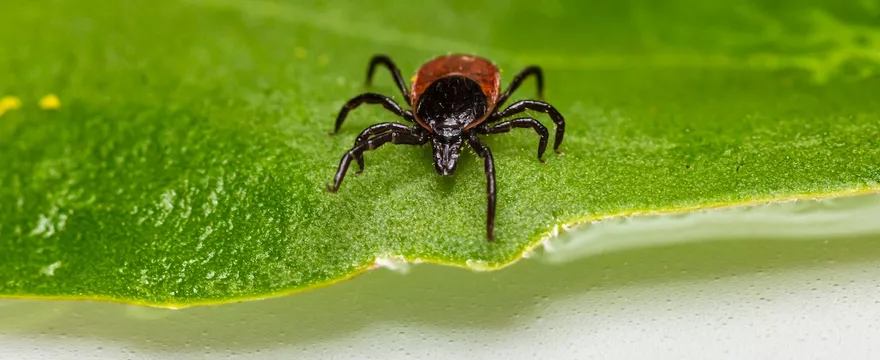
<point x="454" y="98"/>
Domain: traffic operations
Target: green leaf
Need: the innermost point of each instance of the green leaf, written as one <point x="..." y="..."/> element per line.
<point x="187" y="160"/>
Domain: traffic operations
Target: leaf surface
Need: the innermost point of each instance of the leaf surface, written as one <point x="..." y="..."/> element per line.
<point x="185" y="157"/>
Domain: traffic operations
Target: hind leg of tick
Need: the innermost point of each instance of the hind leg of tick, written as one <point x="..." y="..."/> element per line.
<point x="518" y="80"/>
<point x="385" y="61"/>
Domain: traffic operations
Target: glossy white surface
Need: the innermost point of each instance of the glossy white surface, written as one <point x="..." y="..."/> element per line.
<point x="760" y="298"/>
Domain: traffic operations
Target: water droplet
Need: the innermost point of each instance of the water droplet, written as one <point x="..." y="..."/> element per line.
<point x="479" y="265"/>
<point x="394" y="263"/>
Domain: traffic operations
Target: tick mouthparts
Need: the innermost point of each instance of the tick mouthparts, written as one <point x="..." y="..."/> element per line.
<point x="446" y="156"/>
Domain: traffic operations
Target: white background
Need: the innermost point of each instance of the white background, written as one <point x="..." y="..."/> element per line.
<point x="764" y="297"/>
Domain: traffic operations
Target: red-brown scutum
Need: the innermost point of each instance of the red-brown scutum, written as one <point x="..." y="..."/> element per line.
<point x="478" y="69"/>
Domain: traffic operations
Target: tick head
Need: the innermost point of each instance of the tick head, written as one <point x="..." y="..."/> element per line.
<point x="446" y="152"/>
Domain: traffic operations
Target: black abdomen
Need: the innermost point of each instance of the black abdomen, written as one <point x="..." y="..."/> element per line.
<point x="451" y="103"/>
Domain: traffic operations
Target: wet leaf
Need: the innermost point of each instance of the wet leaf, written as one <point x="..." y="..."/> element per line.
<point x="175" y="152"/>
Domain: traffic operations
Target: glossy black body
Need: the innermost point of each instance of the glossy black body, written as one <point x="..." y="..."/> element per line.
<point x="451" y="111"/>
<point x="448" y="105"/>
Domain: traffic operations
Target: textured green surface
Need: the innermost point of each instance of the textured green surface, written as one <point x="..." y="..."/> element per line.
<point x="188" y="159"/>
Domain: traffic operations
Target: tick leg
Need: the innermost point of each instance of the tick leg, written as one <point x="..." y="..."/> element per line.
<point x="371" y="144"/>
<point x="504" y="127"/>
<point x="377" y="130"/>
<point x="523" y="105"/>
<point x="381" y="128"/>
<point x="519" y="78"/>
<point x="395" y="72"/>
<point x="489" y="165"/>
<point x="371" y="98"/>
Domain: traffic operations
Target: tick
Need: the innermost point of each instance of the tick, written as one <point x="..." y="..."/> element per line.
<point x="454" y="98"/>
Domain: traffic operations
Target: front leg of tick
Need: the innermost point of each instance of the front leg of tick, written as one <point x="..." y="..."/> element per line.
<point x="406" y="138"/>
<point x="489" y="167"/>
<point x="524" y="105"/>
<point x="374" y="130"/>
<point x="506" y="126"/>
